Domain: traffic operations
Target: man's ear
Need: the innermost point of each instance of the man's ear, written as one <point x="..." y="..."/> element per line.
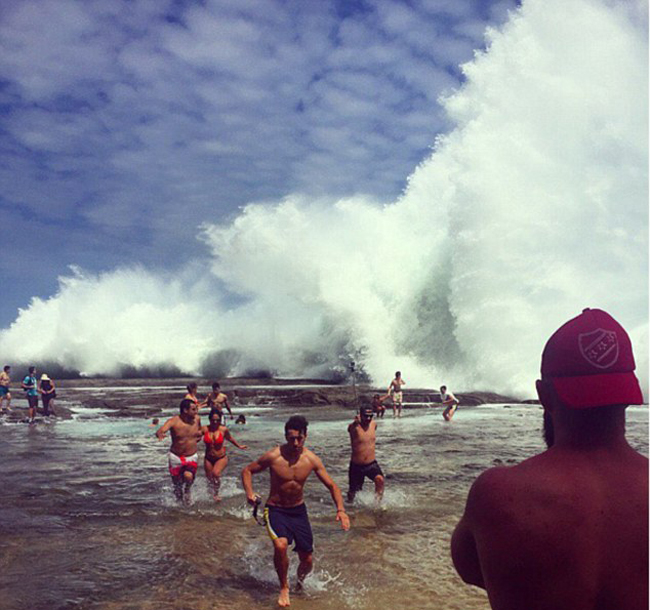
<point x="545" y="393"/>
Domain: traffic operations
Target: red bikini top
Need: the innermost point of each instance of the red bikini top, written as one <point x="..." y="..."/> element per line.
<point x="207" y="439"/>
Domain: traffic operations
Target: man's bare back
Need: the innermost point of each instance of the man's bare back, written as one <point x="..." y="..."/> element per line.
<point x="560" y="530"/>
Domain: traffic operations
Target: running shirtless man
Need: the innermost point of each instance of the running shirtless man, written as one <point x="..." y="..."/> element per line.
<point x="217" y="399"/>
<point x="363" y="434"/>
<point x="183" y="457"/>
<point x="285" y="513"/>
<point x="395" y="392"/>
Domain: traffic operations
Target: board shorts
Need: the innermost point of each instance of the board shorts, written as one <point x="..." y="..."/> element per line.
<point x="358" y="472"/>
<point x="290" y="523"/>
<point x="179" y="463"/>
<point x="32" y="401"/>
<point x="4" y="390"/>
<point x="397" y="397"/>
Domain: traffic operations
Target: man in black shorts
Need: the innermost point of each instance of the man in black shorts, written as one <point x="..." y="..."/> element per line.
<point x="285" y="513"/>
<point x="363" y="432"/>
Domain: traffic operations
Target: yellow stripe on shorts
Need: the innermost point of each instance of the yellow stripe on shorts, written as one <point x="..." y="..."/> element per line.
<point x="269" y="529"/>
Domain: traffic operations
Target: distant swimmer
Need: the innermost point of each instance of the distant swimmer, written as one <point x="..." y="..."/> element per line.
<point x="378" y="407"/>
<point x="363" y="434"/>
<point x="449" y="401"/>
<point x="214" y="436"/>
<point x="183" y="457"/>
<point x="395" y="392"/>
<point x="567" y="529"/>
<point x="30" y="385"/>
<point x="47" y="390"/>
<point x="5" y="387"/>
<point x="285" y="513"/>
<point x="217" y="399"/>
<point x="241" y="419"/>
<point x="154" y="422"/>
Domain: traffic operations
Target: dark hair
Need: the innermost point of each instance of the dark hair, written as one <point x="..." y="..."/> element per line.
<point x="186" y="403"/>
<point x="443" y="387"/>
<point x="31" y="369"/>
<point x="296" y="422"/>
<point x="192" y="386"/>
<point x="215" y="385"/>
<point x="364" y="408"/>
<point x="398" y="374"/>
<point x="214" y="412"/>
<point x="7" y="367"/>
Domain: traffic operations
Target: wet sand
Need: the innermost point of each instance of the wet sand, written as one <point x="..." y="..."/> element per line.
<point x="88" y="520"/>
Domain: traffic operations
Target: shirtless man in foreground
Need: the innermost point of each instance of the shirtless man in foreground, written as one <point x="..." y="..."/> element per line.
<point x="567" y="529"/>
<point x="363" y="434"/>
<point x="285" y="513"/>
<point x="183" y="457"/>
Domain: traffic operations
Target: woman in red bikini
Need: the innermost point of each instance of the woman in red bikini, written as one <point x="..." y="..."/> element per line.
<point x="216" y="460"/>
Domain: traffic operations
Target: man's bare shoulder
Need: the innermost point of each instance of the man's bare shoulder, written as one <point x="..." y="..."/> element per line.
<point x="309" y="456"/>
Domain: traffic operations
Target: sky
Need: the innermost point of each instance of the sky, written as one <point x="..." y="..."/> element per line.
<point x="245" y="187"/>
<point x="125" y="125"/>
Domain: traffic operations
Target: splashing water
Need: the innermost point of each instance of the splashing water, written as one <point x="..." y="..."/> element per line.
<point x="531" y="209"/>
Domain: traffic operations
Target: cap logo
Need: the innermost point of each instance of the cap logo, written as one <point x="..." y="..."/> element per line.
<point x="599" y="348"/>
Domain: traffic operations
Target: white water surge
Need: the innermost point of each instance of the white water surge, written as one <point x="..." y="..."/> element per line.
<point x="532" y="208"/>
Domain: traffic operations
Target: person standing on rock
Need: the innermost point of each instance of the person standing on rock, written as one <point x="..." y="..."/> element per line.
<point x="285" y="512"/>
<point x="183" y="457"/>
<point x="5" y="383"/>
<point x="363" y="435"/>
<point x="449" y="401"/>
<point x="567" y="529"/>
<point x="47" y="390"/>
<point x="395" y="392"/>
<point x="30" y="386"/>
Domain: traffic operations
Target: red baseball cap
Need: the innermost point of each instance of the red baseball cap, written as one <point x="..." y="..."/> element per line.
<point x="589" y="362"/>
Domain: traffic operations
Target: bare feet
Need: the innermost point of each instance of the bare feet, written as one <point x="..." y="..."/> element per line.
<point x="283" y="599"/>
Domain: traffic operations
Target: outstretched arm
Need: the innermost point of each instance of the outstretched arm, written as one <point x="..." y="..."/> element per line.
<point x="247" y="473"/>
<point x="160" y="433"/>
<point x="335" y="492"/>
<point x="231" y="438"/>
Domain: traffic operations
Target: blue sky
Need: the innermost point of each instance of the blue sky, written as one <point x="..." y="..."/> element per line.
<point x="125" y="125"/>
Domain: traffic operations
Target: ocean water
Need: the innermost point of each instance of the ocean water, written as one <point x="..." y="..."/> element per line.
<point x="88" y="520"/>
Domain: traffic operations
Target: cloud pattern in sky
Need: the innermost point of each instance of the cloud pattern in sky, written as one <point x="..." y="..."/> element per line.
<point x="125" y="125"/>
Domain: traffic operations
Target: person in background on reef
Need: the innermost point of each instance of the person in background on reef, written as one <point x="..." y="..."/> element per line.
<point x="395" y="392"/>
<point x="217" y="400"/>
<point x="378" y="407"/>
<point x="214" y="436"/>
<point x="363" y="435"/>
<point x="47" y="390"/>
<point x="192" y="393"/>
<point x="567" y="529"/>
<point x="29" y="384"/>
<point x="183" y="457"/>
<point x="241" y="419"/>
<point x="449" y="401"/>
<point x="5" y="386"/>
<point x="285" y="512"/>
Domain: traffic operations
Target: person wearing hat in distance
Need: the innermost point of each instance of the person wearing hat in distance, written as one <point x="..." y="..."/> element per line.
<point x="47" y="390"/>
<point x="567" y="529"/>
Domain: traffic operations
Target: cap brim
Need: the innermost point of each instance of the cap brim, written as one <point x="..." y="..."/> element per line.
<point x="589" y="391"/>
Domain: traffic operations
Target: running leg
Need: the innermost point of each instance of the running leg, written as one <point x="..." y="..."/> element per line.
<point x="281" y="563"/>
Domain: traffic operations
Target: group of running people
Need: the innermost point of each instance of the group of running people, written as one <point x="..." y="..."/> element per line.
<point x="285" y="514"/>
<point x="33" y="388"/>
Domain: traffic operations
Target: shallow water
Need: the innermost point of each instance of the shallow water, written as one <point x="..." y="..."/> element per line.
<point x="88" y="520"/>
